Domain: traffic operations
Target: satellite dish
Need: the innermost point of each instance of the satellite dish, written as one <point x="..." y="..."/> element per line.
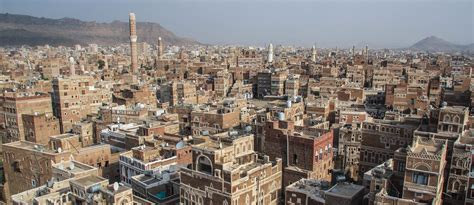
<point x="116" y="186"/>
<point x="71" y="166"/>
<point x="180" y="145"/>
<point x="60" y="150"/>
<point x="61" y="166"/>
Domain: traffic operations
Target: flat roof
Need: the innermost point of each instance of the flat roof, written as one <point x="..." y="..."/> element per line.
<point x="346" y="190"/>
<point x="89" y="180"/>
<point x="31" y="146"/>
<point x="76" y="168"/>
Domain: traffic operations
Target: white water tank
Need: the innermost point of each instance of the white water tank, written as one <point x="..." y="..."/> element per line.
<point x="281" y="116"/>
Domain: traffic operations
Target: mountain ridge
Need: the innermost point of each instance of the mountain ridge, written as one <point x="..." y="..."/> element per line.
<point x="16" y="30"/>
<point x="436" y="44"/>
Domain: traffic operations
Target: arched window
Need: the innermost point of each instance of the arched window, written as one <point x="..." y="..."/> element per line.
<point x="125" y="202"/>
<point x="447" y="118"/>
<point x="456" y="119"/>
<point x="456" y="185"/>
<point x="204" y="164"/>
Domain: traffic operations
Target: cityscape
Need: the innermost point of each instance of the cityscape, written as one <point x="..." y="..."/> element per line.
<point x="131" y="113"/>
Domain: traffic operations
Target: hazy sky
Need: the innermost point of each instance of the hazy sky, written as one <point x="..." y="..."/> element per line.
<point x="329" y="23"/>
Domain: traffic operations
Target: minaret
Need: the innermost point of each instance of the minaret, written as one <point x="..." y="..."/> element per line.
<point x="160" y="48"/>
<point x="72" y="68"/>
<point x="106" y="62"/>
<point x="313" y="54"/>
<point x="353" y="52"/>
<point x="133" y="43"/>
<point x="367" y="53"/>
<point x="270" y="53"/>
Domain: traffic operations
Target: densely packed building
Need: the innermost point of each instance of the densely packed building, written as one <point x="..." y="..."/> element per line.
<point x="164" y="124"/>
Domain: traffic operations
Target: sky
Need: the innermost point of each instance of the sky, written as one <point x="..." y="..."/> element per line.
<point x="326" y="23"/>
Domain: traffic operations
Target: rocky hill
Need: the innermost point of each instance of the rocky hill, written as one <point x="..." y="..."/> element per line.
<point x="435" y="44"/>
<point x="18" y="30"/>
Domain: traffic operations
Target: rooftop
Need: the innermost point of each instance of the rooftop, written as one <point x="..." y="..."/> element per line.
<point x="345" y="189"/>
<point x="427" y="146"/>
<point x="64" y="136"/>
<point x="30" y="146"/>
<point x="73" y="166"/>
<point x="89" y="180"/>
<point x="311" y="187"/>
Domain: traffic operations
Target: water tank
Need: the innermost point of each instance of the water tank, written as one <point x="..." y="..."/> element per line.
<point x="281" y="116"/>
<point x="248" y="128"/>
<point x="288" y="103"/>
<point x="299" y="99"/>
<point x="94" y="188"/>
<point x="233" y="133"/>
<point x="444" y="104"/>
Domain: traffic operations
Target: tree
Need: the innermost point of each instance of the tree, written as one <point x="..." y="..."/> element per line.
<point x="101" y="63"/>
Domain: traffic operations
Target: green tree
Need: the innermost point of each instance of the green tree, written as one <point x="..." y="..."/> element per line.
<point x="101" y="63"/>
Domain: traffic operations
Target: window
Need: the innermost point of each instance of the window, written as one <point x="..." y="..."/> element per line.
<point x="401" y="166"/>
<point x="456" y="185"/>
<point x="204" y="165"/>
<point x="16" y="166"/>
<point x="295" y="159"/>
<point x="420" y="178"/>
<point x="418" y="195"/>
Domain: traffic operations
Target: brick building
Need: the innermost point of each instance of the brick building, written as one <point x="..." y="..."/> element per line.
<point x="226" y="170"/>
<point x="28" y="165"/>
<point x="76" y="97"/>
<point x="380" y="139"/>
<point x="14" y="105"/>
<point x="306" y="153"/>
<point x="38" y="127"/>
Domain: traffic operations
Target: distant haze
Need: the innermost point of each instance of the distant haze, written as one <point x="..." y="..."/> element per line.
<point x="379" y="23"/>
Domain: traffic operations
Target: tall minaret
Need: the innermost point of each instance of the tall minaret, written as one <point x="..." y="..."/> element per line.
<point x="160" y="48"/>
<point x="106" y="62"/>
<point x="367" y="53"/>
<point x="270" y="53"/>
<point x="313" y="54"/>
<point x="72" y="68"/>
<point x="133" y="43"/>
<point x="353" y="52"/>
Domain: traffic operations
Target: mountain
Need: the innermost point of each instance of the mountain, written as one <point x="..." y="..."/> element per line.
<point x="18" y="30"/>
<point x="435" y="44"/>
